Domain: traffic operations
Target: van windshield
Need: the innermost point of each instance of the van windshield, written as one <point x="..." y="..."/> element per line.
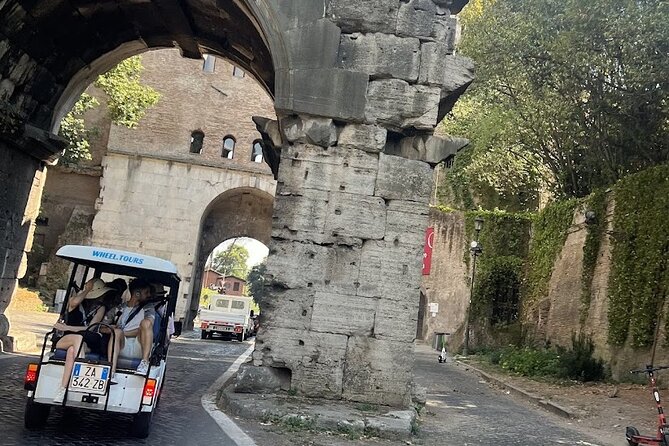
<point x="222" y="303"/>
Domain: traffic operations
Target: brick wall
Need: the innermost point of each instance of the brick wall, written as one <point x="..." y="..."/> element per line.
<point x="218" y="104"/>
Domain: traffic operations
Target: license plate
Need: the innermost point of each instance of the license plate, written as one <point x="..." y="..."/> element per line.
<point x="89" y="378"/>
<point x="223" y="328"/>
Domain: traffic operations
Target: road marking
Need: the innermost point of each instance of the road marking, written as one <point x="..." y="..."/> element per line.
<point x="208" y="401"/>
<point x="190" y="358"/>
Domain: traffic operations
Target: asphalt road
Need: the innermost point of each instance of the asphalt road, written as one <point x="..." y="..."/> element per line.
<point x="193" y="365"/>
<point x="464" y="410"/>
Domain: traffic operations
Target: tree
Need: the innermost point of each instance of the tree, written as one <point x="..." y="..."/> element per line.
<point x="232" y="261"/>
<point x="572" y="94"/>
<point x="128" y="101"/>
<point x="256" y="282"/>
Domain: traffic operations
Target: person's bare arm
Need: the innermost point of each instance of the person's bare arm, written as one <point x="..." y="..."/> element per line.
<point x="77" y="299"/>
<point x="131" y="333"/>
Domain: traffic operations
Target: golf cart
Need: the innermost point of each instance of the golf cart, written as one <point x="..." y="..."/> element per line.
<point x="89" y="385"/>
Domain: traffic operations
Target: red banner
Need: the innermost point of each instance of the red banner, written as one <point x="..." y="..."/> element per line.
<point x="427" y="254"/>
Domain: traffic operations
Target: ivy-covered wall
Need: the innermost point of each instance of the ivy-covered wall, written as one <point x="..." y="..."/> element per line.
<point x="597" y="266"/>
<point x="639" y="278"/>
<point x="495" y="304"/>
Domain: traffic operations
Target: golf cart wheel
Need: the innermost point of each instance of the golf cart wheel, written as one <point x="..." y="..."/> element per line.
<point x="631" y="431"/>
<point x="203" y="334"/>
<point x="141" y="424"/>
<point x="35" y="415"/>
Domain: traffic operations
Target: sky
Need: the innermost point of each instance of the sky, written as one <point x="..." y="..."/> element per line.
<point x="257" y="250"/>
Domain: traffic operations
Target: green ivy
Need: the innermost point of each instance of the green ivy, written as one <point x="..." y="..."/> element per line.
<point x="549" y="234"/>
<point x="639" y="280"/>
<point x="596" y="202"/>
<point x="505" y="240"/>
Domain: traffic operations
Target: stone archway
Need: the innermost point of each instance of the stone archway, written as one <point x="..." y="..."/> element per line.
<point x="241" y="212"/>
<point x="359" y="88"/>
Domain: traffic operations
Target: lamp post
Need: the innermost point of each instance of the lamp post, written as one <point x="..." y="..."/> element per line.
<point x="476" y="250"/>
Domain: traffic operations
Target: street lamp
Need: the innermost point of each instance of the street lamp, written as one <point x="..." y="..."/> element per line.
<point x="476" y="250"/>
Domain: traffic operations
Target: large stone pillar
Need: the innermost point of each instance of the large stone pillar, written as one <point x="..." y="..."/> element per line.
<point x="345" y="258"/>
<point x="24" y="150"/>
<point x="21" y="181"/>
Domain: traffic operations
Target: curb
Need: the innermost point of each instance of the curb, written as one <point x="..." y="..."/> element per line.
<point x="535" y="399"/>
<point x="209" y="399"/>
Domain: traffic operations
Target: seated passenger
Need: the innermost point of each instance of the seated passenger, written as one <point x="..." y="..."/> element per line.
<point x="112" y="302"/>
<point x="136" y="322"/>
<point x="83" y="309"/>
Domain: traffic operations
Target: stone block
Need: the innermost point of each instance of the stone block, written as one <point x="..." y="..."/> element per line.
<point x="390" y="271"/>
<point x="399" y="105"/>
<point x="402" y="179"/>
<point x="439" y="67"/>
<point x="369" y="16"/>
<point x="306" y="212"/>
<point x="406" y="222"/>
<point x="335" y="169"/>
<point x="316" y="359"/>
<point x="356" y="216"/>
<point x="378" y="371"/>
<point x="288" y="308"/>
<point x="381" y="55"/>
<point x="252" y="379"/>
<point x="314" y="45"/>
<point x="293" y="13"/>
<point x="396" y="321"/>
<point x="439" y="148"/>
<point x="429" y="148"/>
<point x="369" y="138"/>
<point x="336" y="93"/>
<point x="343" y="314"/>
<point x="320" y="131"/>
<point x="293" y="129"/>
<point x="445" y="29"/>
<point x="416" y="18"/>
<point x="397" y="424"/>
<point x="332" y="268"/>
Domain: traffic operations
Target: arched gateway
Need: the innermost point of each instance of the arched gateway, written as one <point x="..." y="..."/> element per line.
<point x="358" y="89"/>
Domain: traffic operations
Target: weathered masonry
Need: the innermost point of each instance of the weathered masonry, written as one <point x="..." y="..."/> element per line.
<point x="358" y="88"/>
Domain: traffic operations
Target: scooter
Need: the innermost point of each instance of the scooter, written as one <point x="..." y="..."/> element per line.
<point x="662" y="436"/>
<point x="442" y="356"/>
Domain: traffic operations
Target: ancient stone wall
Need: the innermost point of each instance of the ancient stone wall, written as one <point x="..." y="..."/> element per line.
<point x="359" y="88"/>
<point x="345" y="258"/>
<point x="21" y="182"/>
<point x="159" y="209"/>
<point x="448" y="282"/>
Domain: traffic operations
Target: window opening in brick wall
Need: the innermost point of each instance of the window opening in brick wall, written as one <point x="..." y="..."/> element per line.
<point x="228" y="147"/>
<point x="237" y="72"/>
<point x="235" y="286"/>
<point x="196" y="141"/>
<point x="256" y="153"/>
<point x="209" y="63"/>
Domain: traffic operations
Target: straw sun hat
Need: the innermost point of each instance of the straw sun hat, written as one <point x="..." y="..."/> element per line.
<point x="99" y="288"/>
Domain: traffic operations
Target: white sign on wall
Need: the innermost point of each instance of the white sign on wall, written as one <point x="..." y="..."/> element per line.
<point x="434" y="308"/>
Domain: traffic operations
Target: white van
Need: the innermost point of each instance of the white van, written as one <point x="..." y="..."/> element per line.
<point x="227" y="315"/>
<point x="89" y="385"/>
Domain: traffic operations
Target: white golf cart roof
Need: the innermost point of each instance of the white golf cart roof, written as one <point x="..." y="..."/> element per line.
<point x="119" y="262"/>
